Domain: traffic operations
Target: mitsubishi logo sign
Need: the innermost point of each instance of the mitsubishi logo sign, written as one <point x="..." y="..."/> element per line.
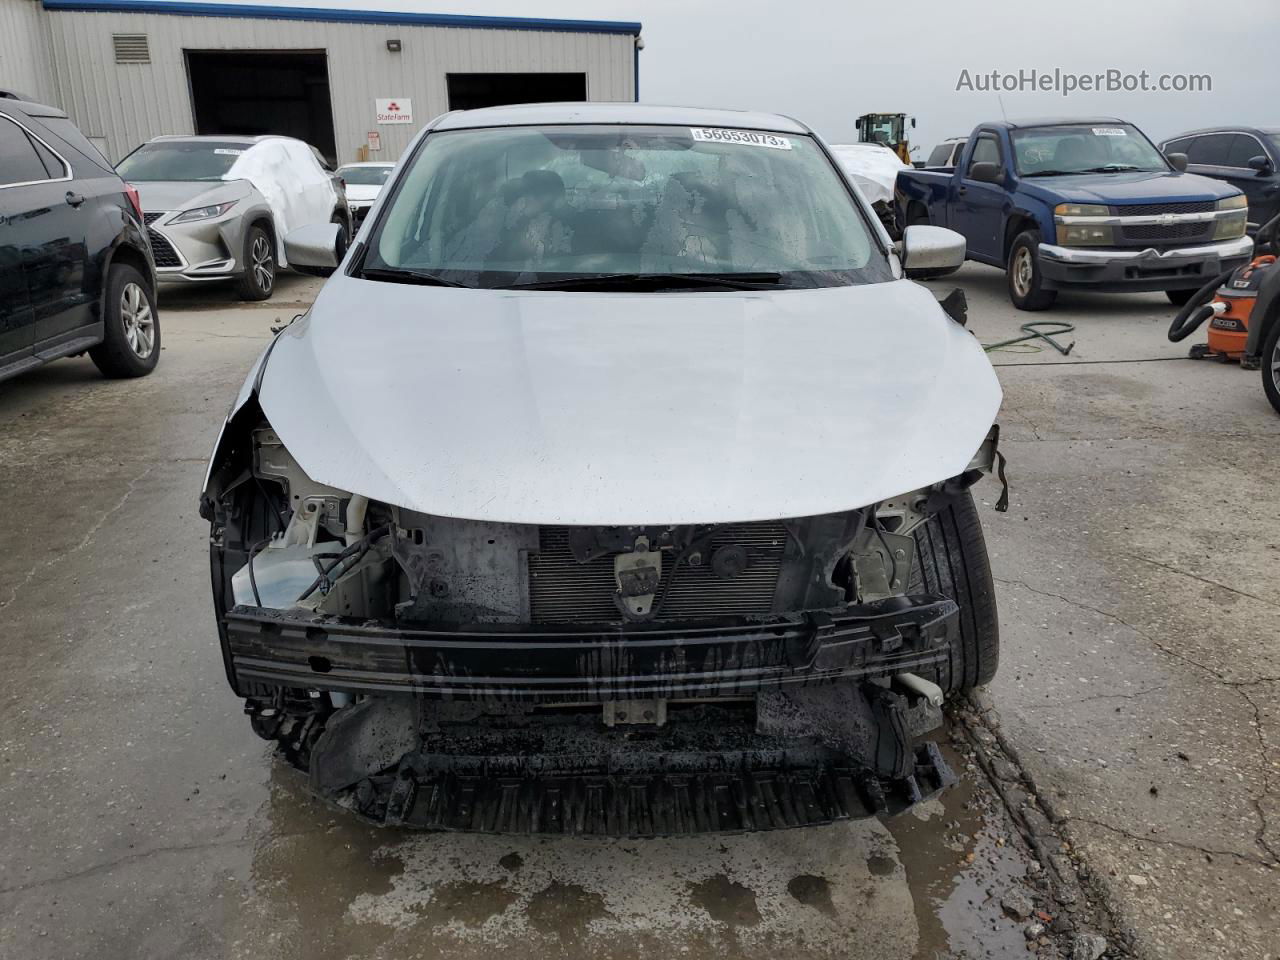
<point x="393" y="110"/>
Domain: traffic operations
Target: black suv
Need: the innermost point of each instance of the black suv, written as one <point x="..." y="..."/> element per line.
<point x="76" y="272"/>
<point x="1246" y="157"/>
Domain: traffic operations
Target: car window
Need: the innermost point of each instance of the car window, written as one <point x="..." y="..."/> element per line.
<point x="490" y="207"/>
<point x="20" y="161"/>
<point x="941" y="156"/>
<point x="1084" y="148"/>
<point x="1178" y="146"/>
<point x="1244" y="149"/>
<point x="53" y="166"/>
<point x="985" y="150"/>
<point x="1212" y="148"/>
<point x="180" y="160"/>
<point x="364" y="176"/>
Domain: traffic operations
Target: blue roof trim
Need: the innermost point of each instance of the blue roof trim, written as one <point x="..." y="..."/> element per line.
<point x="257" y="12"/>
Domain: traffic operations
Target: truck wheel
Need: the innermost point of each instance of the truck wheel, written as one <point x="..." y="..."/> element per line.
<point x="951" y="560"/>
<point x="130" y="343"/>
<point x="1025" y="276"/>
<point x="917" y="215"/>
<point x="1271" y="364"/>
<point x="1180" y="298"/>
<point x="259" y="277"/>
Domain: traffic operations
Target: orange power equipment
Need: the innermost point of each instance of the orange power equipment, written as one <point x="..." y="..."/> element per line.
<point x="1228" y="308"/>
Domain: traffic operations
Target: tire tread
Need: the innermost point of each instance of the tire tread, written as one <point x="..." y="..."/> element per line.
<point x="951" y="559"/>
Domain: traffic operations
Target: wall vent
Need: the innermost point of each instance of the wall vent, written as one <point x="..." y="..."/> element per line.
<point x="131" y="47"/>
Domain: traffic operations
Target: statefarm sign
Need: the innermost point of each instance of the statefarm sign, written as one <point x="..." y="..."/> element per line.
<point x="393" y="110"/>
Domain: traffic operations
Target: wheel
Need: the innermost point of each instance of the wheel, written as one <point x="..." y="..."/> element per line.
<point x="1024" y="274"/>
<point x="259" y="277"/>
<point x="1271" y="364"/>
<point x="951" y="560"/>
<point x="917" y="214"/>
<point x="130" y="343"/>
<point x="1180" y="298"/>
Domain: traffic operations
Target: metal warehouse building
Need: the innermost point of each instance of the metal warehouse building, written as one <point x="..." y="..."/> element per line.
<point x="350" y="82"/>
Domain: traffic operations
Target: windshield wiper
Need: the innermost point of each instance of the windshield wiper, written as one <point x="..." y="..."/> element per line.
<point x="723" y="281"/>
<point x="1113" y="168"/>
<point x="391" y="275"/>
<point x="1052" y="173"/>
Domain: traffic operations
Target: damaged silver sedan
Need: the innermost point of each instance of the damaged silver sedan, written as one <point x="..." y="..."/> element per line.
<point x="617" y="482"/>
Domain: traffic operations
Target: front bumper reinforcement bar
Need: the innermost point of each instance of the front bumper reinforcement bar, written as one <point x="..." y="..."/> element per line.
<point x="550" y="662"/>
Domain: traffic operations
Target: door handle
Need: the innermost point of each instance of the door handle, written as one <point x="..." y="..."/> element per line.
<point x="962" y="190"/>
<point x="74" y="199"/>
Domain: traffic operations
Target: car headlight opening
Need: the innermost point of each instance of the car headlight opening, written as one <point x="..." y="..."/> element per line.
<point x="204" y="213"/>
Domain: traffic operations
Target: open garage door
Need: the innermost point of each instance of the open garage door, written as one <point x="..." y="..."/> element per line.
<point x="470" y="91"/>
<point x="261" y="91"/>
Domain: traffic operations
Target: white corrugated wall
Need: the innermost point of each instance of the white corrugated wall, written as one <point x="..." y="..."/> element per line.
<point x="128" y="103"/>
<point x="24" y="50"/>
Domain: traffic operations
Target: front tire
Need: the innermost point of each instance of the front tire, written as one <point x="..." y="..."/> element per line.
<point x="130" y="344"/>
<point x="1025" y="276"/>
<point x="951" y="560"/>
<point x="259" y="277"/>
<point x="1271" y="364"/>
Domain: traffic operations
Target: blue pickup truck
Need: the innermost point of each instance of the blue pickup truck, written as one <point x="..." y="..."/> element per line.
<point x="1087" y="203"/>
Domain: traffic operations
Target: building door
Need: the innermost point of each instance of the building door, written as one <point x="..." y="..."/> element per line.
<point x="263" y="91"/>
<point x="469" y="91"/>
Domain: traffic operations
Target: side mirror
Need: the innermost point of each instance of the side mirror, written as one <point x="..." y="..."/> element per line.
<point x="1261" y="164"/>
<point x="985" y="172"/>
<point x="1177" y="160"/>
<point x="913" y="123"/>
<point x="930" y="252"/>
<point x="316" y="249"/>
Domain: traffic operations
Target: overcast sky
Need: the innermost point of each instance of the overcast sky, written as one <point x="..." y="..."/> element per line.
<point x="828" y="62"/>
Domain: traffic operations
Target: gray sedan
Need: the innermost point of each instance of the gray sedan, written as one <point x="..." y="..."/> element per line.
<point x="217" y="207"/>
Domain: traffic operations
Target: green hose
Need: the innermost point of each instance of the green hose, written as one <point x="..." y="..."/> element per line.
<point x="1044" y="330"/>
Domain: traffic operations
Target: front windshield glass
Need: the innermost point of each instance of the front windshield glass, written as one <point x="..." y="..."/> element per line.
<point x="1048" y="151"/>
<point x="515" y="206"/>
<point x="180" y="160"/>
<point x="364" y="176"/>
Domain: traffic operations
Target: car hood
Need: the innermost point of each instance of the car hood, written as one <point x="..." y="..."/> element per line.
<point x="164" y="195"/>
<point x="627" y="409"/>
<point x="1132" y="187"/>
<point x="362" y="191"/>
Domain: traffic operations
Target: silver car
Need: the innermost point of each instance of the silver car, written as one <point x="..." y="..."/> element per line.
<point x="217" y="207"/>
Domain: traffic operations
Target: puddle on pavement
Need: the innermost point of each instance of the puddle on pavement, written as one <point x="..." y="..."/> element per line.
<point x="961" y="856"/>
<point x="324" y="885"/>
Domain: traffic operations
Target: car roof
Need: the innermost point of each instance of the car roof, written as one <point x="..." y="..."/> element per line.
<point x="1051" y="122"/>
<point x="31" y="108"/>
<point x="1234" y="129"/>
<point x="533" y="114"/>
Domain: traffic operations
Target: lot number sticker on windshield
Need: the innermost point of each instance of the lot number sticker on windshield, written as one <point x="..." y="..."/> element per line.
<point x="748" y="137"/>
<point x="227" y="152"/>
<point x="1109" y="132"/>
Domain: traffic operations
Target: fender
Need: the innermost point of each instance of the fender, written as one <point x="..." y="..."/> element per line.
<point x="1028" y="211"/>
